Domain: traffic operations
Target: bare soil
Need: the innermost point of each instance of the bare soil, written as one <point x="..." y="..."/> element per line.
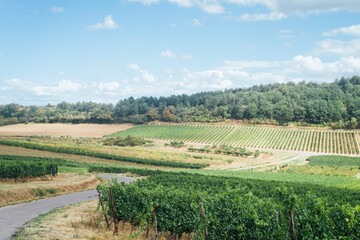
<point x="57" y="129"/>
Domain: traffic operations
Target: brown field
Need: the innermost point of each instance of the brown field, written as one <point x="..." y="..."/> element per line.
<point x="57" y="130"/>
<point x="13" y="193"/>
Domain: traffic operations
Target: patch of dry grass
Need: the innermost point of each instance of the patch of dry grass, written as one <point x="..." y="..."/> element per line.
<point x="13" y="193"/>
<point x="58" y="129"/>
<point x="79" y="221"/>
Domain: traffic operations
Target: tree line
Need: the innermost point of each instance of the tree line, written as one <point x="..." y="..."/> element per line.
<point x="336" y="104"/>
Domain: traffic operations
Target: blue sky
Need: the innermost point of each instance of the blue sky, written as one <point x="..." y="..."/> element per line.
<point x="104" y="51"/>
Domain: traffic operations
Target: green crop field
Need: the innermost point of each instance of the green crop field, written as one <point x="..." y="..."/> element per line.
<point x="321" y="141"/>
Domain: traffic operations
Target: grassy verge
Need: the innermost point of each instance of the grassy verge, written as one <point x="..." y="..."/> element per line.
<point x="62" y="184"/>
<point x="78" y="221"/>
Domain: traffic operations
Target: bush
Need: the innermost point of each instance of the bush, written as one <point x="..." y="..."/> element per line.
<point x="126" y="141"/>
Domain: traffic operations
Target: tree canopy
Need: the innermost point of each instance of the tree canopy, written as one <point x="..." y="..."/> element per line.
<point x="336" y="103"/>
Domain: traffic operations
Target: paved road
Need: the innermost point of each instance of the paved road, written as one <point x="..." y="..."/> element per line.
<point x="12" y="218"/>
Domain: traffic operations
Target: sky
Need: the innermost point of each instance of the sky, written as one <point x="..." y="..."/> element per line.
<point x="103" y="51"/>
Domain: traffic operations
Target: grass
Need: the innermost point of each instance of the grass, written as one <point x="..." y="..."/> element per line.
<point x="79" y="221"/>
<point x="155" y="151"/>
<point x="327" y="181"/>
<point x="66" y="169"/>
<point x="14" y="193"/>
<point x="322" y="170"/>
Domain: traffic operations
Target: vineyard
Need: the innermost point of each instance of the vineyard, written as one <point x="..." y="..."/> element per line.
<point x="321" y="141"/>
<point x="84" y="152"/>
<point x="202" y="207"/>
<point x="21" y="167"/>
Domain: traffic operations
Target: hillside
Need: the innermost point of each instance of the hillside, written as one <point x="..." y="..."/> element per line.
<point x="336" y="104"/>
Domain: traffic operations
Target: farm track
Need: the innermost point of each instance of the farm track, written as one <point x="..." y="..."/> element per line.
<point x="12" y="218"/>
<point x="268" y="138"/>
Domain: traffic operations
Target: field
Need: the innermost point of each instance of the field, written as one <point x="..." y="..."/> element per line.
<point x="155" y="151"/>
<point x="323" y="186"/>
<point x="57" y="130"/>
<point x="307" y="140"/>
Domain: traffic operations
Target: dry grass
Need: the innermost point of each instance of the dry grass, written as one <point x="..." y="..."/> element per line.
<point x="78" y="221"/>
<point x="9" y="150"/>
<point x="57" y="129"/>
<point x="13" y="193"/>
<point x="156" y="151"/>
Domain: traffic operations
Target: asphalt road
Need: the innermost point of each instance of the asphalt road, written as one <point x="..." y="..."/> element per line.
<point x="12" y="218"/>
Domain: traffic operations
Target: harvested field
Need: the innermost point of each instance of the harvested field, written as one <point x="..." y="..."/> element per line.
<point x="57" y="130"/>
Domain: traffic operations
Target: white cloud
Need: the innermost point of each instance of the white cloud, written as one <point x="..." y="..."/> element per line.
<point x="213" y="8"/>
<point x="133" y="66"/>
<point x="168" y="53"/>
<point x="173" y="25"/>
<point x="61" y="73"/>
<point x="278" y="9"/>
<point x="108" y="23"/>
<point x="337" y="47"/>
<point x="145" y="75"/>
<point x="59" y="88"/>
<point x="145" y="2"/>
<point x="229" y="74"/>
<point x="273" y="16"/>
<point x="109" y="88"/>
<point x="301" y="6"/>
<point x="309" y="68"/>
<point x="196" y="22"/>
<point x="250" y="64"/>
<point x="62" y="87"/>
<point x="352" y="30"/>
<point x="183" y="3"/>
<point x="57" y="9"/>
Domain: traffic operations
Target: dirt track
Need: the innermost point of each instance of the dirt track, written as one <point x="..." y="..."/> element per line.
<point x="12" y="218"/>
<point x="57" y="129"/>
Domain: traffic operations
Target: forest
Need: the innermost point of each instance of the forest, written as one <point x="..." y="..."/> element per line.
<point x="335" y="104"/>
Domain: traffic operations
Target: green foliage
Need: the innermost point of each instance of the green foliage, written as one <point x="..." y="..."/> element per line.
<point x="322" y="170"/>
<point x="81" y="151"/>
<point x="334" y="161"/>
<point x="303" y="103"/>
<point x="231" y="137"/>
<point x="233" y="210"/>
<point x="125" y="141"/>
<point x="22" y="167"/>
<point x="177" y="144"/>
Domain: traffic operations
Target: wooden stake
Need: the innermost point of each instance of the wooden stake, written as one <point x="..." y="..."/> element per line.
<point x="102" y="207"/>
<point x="203" y="219"/>
<point x="113" y="210"/>
<point x="292" y="221"/>
<point x="147" y="232"/>
<point x="155" y="225"/>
